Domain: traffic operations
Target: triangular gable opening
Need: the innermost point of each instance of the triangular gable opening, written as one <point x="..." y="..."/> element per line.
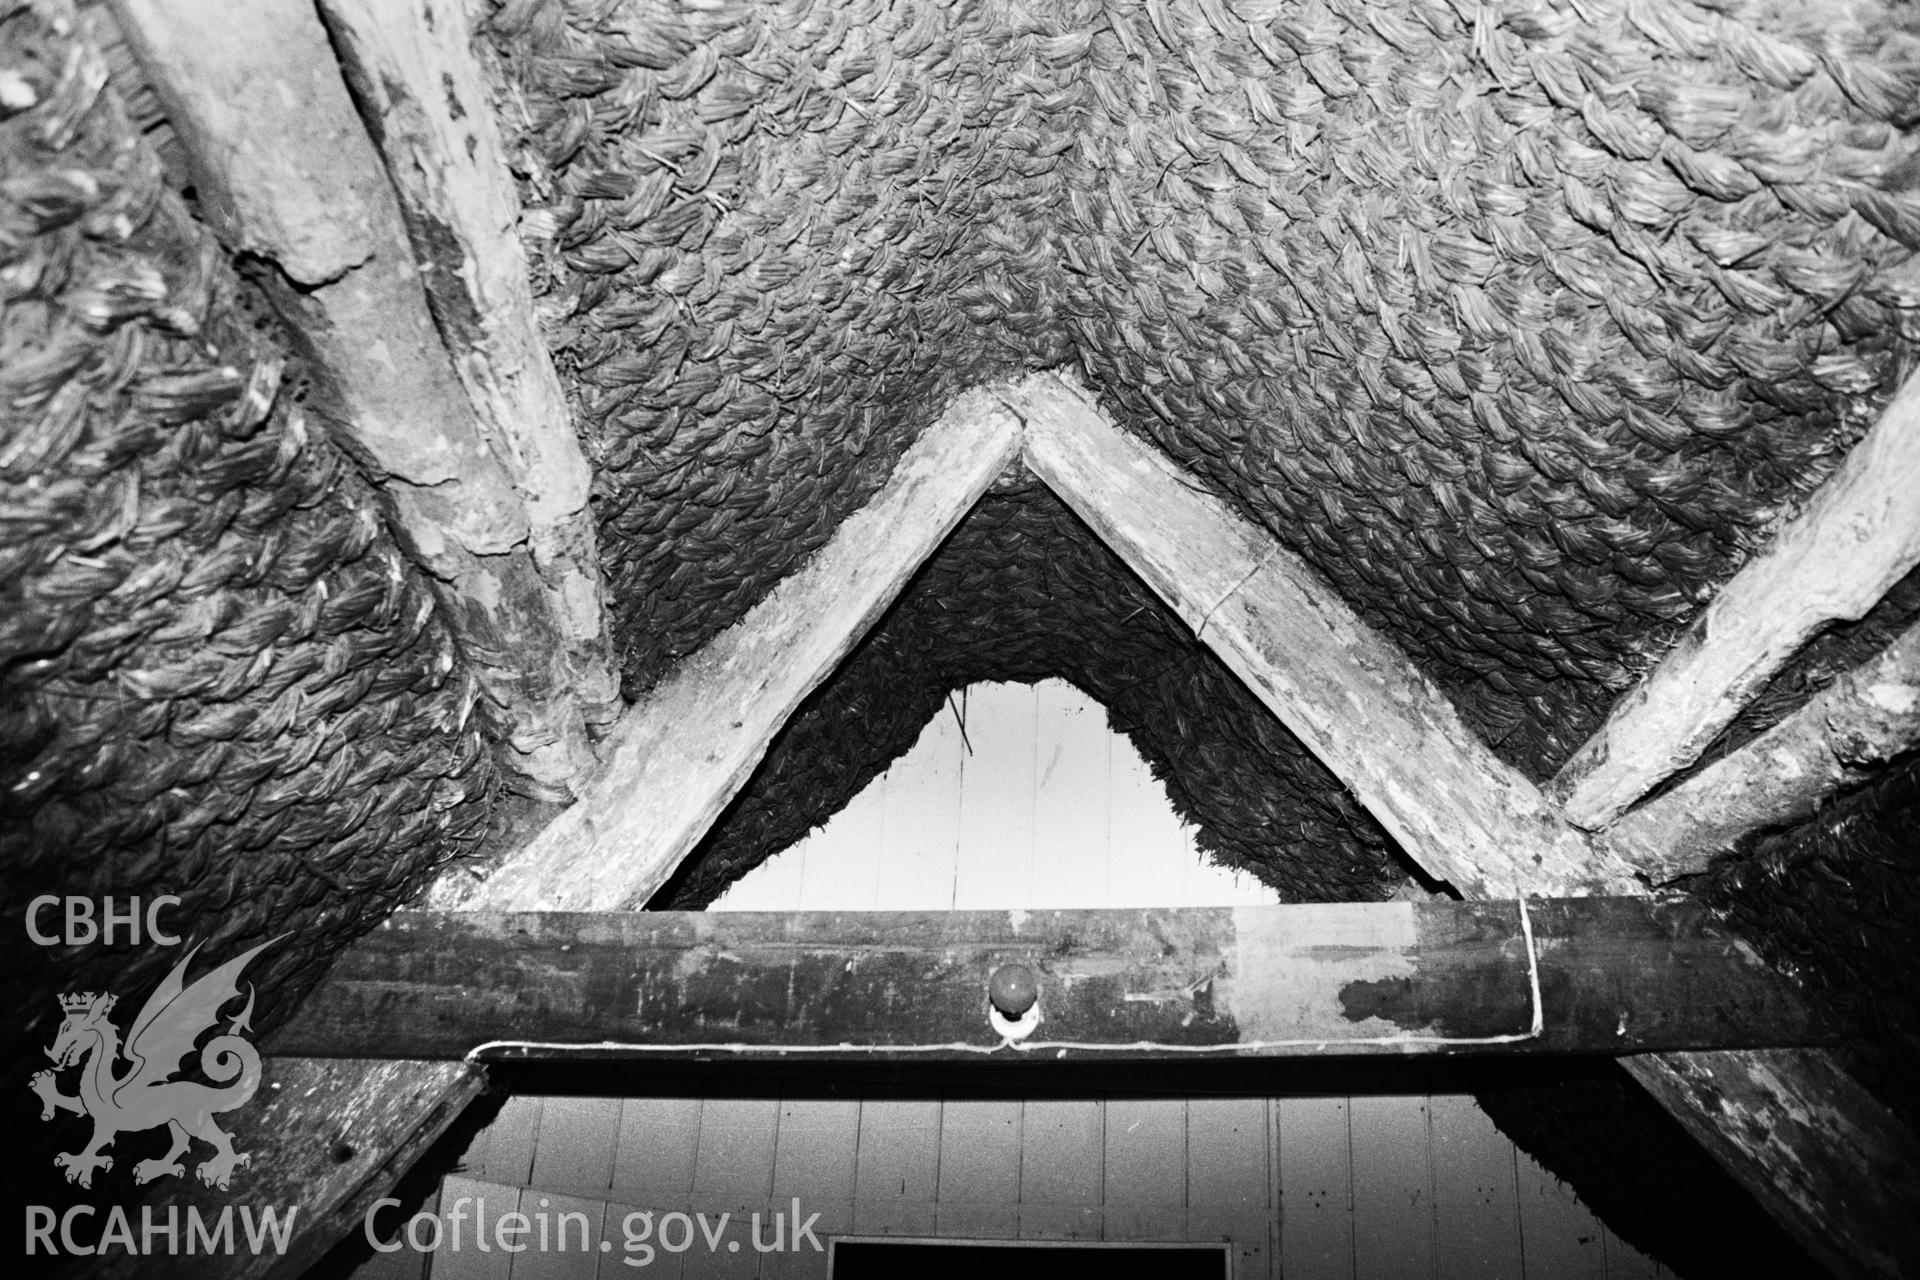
<point x="1023" y="590"/>
<point x="1388" y="732"/>
<point x="1014" y="796"/>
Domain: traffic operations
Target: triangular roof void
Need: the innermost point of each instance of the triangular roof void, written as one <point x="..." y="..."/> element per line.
<point x="1013" y="795"/>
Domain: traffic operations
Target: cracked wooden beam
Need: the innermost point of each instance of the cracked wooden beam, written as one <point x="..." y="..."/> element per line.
<point x="346" y="281"/>
<point x="1381" y="726"/>
<point x="1858" y="536"/>
<point x="1838" y="1170"/>
<point x="1838" y="739"/>
<point x="1821" y="1154"/>
<point x="678" y="755"/>
<point x="414" y="74"/>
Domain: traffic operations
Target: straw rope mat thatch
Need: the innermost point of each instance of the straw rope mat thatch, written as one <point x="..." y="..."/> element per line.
<point x="218" y="677"/>
<point x="1521" y="327"/>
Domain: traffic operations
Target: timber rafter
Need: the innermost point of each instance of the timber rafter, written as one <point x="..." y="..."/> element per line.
<point x="473" y="448"/>
<point x="1839" y="738"/>
<point x="1383" y="728"/>
<point x="1858" y="536"/>
<point x="1350" y="694"/>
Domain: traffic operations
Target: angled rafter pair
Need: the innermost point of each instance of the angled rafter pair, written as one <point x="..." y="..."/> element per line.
<point x="409" y="286"/>
<point x="488" y="482"/>
<point x="679" y="755"/>
<point x="1797" y="1131"/>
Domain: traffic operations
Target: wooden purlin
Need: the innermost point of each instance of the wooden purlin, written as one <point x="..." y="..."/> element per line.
<point x="1233" y="617"/>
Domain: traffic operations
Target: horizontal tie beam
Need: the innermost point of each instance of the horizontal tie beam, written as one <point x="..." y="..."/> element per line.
<point x="1589" y="975"/>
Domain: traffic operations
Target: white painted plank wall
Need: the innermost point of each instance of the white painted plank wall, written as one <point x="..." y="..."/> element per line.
<point x="1050" y="809"/>
<point x="1309" y="1188"/>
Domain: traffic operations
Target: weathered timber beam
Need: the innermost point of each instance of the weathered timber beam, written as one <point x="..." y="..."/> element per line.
<point x="1614" y="975"/>
<point x="1838" y="1170"/>
<point x="1863" y="720"/>
<point x="1827" y="1159"/>
<point x="1819" y="1152"/>
<point x="347" y="286"/>
<point x="330" y="1137"/>
<point x="1856" y="538"/>
<point x="679" y="754"/>
<point x="327" y="1139"/>
<point x="417" y="81"/>
<point x="1354" y="698"/>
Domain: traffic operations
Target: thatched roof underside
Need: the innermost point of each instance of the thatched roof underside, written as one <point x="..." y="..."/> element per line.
<point x="1522" y="325"/>
<point x="1523" y="332"/>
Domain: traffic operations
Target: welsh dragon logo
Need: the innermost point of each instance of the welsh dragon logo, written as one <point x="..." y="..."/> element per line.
<point x="145" y="1096"/>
